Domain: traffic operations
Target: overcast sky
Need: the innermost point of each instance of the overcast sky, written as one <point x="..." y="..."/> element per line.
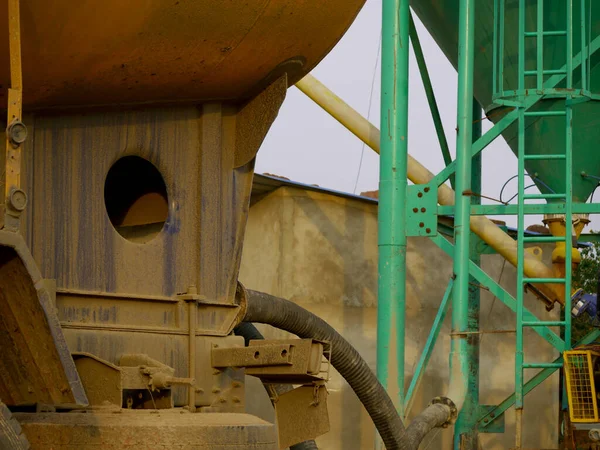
<point x="306" y="145"/>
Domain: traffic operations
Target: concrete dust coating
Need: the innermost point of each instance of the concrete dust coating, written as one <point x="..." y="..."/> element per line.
<point x="320" y="251"/>
<point x="147" y="430"/>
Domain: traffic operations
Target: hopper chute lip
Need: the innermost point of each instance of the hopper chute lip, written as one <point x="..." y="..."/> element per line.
<point x="66" y="364"/>
<point x="168" y="53"/>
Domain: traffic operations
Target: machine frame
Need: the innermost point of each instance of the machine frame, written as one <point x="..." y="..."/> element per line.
<point x="466" y="169"/>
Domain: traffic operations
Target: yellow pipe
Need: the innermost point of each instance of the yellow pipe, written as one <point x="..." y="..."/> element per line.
<point x="483" y="227"/>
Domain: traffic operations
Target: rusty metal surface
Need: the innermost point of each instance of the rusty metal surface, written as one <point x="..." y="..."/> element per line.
<point x="11" y="434"/>
<point x="141" y="359"/>
<point x="140" y="372"/>
<point x="101" y="380"/>
<point x="113" y="51"/>
<point x="139" y="392"/>
<point x="115" y="296"/>
<point x="191" y="298"/>
<point x="134" y="378"/>
<point x="306" y="362"/>
<point x="35" y="363"/>
<point x="12" y="158"/>
<point x="301" y="415"/>
<point x="223" y="390"/>
<point x="147" y="430"/>
<point x="265" y="354"/>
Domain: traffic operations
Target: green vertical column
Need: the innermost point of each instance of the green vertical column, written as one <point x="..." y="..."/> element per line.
<point x="459" y="353"/>
<point x="467" y="420"/>
<point x="392" y="196"/>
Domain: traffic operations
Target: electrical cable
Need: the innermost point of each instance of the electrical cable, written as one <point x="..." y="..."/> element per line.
<point x="593" y="192"/>
<point x="362" y="149"/>
<point x="585" y="175"/>
<point x="517" y="194"/>
<point x="533" y="178"/>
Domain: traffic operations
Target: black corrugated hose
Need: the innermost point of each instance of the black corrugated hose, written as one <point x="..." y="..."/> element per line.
<point x="249" y="332"/>
<point x="286" y="315"/>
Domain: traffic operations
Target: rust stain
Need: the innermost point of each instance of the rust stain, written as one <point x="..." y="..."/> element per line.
<point x="156" y="46"/>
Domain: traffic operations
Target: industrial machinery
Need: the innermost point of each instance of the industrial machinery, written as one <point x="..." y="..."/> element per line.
<point x="131" y="133"/>
<point x="532" y="65"/>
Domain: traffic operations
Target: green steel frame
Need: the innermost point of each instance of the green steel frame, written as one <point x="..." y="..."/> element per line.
<point x="523" y="113"/>
<point x="465" y="174"/>
<point x="392" y="236"/>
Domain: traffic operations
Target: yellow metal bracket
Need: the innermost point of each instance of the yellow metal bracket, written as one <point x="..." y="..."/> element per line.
<point x="16" y="132"/>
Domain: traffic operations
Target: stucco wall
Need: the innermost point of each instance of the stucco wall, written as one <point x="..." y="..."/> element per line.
<point x="321" y="252"/>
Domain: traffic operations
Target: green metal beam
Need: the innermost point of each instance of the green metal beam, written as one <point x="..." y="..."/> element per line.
<point x="392" y="197"/>
<point x="509" y="210"/>
<point x="536" y="380"/>
<point x="459" y="349"/>
<point x="466" y="425"/>
<point x="433" y="106"/>
<point x="590" y="237"/>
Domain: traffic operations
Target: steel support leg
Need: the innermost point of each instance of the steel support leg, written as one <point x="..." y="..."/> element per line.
<point x="392" y="196"/>
<point x="459" y="353"/>
<point x="466" y="425"/>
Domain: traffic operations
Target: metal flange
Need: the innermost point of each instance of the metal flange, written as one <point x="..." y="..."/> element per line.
<point x="451" y="407"/>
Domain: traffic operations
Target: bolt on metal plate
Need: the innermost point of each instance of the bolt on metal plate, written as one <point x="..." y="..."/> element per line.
<point x="421" y="210"/>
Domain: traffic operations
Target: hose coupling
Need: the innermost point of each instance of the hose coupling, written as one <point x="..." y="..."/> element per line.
<point x="452" y="410"/>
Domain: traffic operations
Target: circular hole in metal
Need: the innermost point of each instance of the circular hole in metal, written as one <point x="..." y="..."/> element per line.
<point x="283" y="353"/>
<point x="135" y="196"/>
<point x="256" y="355"/>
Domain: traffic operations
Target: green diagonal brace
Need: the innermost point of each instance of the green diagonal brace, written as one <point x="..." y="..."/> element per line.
<point x="536" y="380"/>
<point x="478" y="146"/>
<point x="433" y="106"/>
<point x="502" y="295"/>
<point x="428" y="349"/>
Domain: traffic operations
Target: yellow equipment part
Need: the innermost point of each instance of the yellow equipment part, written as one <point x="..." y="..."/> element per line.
<point x="581" y="389"/>
<point x="558" y="228"/>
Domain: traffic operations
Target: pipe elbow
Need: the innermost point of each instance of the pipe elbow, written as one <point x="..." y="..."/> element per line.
<point x="457" y="391"/>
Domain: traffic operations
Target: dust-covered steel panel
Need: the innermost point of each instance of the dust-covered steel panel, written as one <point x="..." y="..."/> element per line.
<point x="201" y="240"/>
<point x="35" y="363"/>
<point x="163" y="429"/>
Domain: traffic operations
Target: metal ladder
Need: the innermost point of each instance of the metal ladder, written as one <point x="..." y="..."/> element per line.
<point x="555" y="115"/>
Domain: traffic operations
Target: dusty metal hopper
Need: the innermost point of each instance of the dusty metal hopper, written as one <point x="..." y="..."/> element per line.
<point x="107" y="52"/>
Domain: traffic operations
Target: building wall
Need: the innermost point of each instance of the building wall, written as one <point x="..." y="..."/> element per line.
<point x="320" y="251"/>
